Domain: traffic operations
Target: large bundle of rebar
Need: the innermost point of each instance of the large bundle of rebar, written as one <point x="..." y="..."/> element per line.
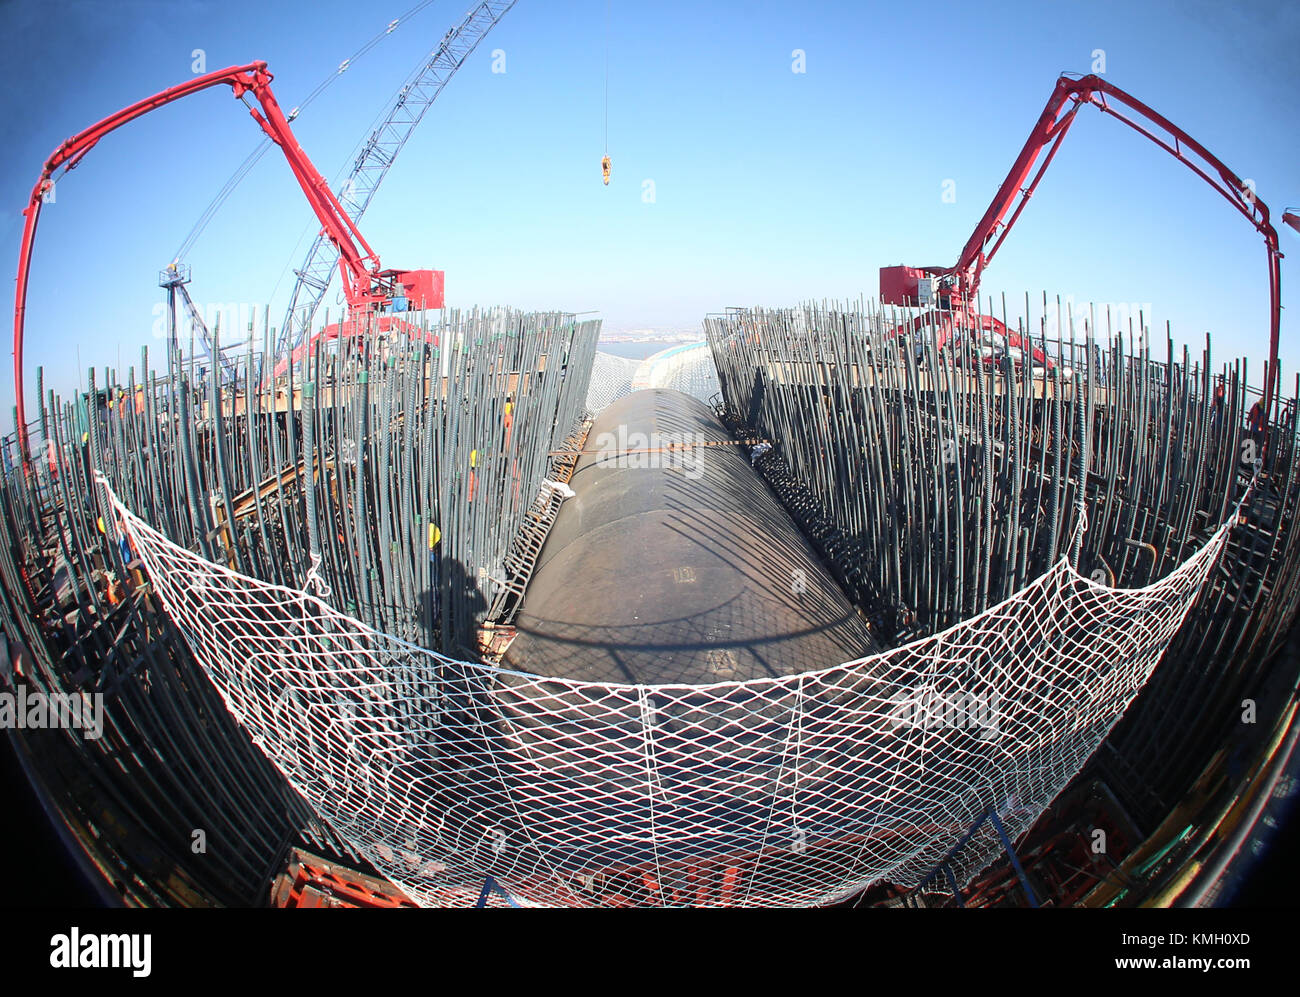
<point x="795" y="790"/>
<point x="427" y="448"/>
<point x="937" y="482"/>
<point x="1029" y="534"/>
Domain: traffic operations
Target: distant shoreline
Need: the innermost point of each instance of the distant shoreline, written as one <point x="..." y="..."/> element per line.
<point x="639" y="349"/>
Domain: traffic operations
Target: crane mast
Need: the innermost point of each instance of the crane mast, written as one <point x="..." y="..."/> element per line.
<point x="173" y="279"/>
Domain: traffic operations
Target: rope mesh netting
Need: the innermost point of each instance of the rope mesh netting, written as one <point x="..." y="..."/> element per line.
<point x="792" y="791"/>
<point x="611" y="379"/>
<point x="688" y="368"/>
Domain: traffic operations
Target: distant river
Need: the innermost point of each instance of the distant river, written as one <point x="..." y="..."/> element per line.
<point x="634" y="351"/>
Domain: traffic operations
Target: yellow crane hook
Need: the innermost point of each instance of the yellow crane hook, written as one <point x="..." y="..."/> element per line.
<point x="604" y="169"/>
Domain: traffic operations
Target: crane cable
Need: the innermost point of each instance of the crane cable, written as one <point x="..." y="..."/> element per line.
<point x="247" y="165"/>
<point x="607" y="6"/>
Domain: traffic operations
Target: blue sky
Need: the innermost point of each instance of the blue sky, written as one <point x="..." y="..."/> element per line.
<point x="771" y="186"/>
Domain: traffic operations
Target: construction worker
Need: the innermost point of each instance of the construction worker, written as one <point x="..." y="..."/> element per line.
<point x="473" y="478"/>
<point x="1256" y="419"/>
<point x="509" y="419"/>
<point x="1257" y="425"/>
<point x="604" y="168"/>
<point x="1216" y="413"/>
<point x="124" y="544"/>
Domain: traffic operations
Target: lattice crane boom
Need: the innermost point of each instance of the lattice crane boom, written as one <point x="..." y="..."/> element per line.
<point x="376" y="158"/>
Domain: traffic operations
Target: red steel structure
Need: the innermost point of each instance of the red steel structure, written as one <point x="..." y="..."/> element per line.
<point x="366" y="286"/>
<point x="957" y="286"/>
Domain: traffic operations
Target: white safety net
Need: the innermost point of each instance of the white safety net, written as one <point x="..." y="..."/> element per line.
<point x="611" y="379"/>
<point x="793" y="791"/>
<point x="688" y="368"/>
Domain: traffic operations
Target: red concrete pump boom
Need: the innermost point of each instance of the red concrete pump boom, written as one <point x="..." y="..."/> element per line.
<point x="959" y="284"/>
<point x="365" y="286"/>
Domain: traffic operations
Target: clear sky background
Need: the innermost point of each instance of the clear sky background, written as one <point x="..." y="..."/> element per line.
<point x="771" y="186"/>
